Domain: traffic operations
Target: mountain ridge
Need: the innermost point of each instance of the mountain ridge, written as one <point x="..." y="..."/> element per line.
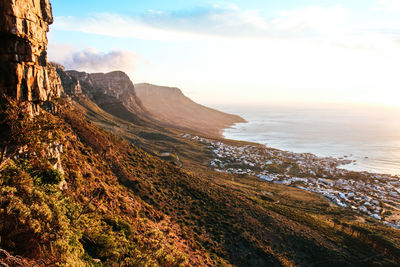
<point x="169" y="106"/>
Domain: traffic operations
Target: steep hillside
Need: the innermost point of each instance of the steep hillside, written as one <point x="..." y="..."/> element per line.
<point x="73" y="193"/>
<point x="171" y="107"/>
<point x="78" y="212"/>
<point x="112" y="202"/>
<point x="224" y="201"/>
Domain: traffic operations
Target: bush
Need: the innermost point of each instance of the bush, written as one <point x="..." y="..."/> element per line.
<point x="51" y="176"/>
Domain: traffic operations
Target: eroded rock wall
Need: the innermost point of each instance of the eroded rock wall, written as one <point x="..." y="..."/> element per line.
<point x="103" y="88"/>
<point x="24" y="72"/>
<point x="120" y="86"/>
<point x="71" y="85"/>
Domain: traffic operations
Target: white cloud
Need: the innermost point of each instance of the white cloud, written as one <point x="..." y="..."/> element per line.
<point x="217" y="21"/>
<point x="115" y="25"/>
<point x="331" y="25"/>
<point x="60" y="52"/>
<point x="92" y="60"/>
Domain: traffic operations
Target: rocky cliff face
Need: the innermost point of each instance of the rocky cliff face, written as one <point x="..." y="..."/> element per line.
<point x="71" y="85"/>
<point x="24" y="72"/>
<point x="103" y="88"/>
<point x="118" y="85"/>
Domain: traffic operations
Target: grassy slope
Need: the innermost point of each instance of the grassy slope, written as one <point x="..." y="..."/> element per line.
<point x="125" y="205"/>
<point x="96" y="217"/>
<point x="296" y="226"/>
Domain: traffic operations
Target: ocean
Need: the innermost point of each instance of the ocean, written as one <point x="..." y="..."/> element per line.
<point x="371" y="136"/>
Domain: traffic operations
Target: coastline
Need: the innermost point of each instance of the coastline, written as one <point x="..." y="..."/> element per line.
<point x="345" y="160"/>
<point x="230" y="125"/>
<point x="361" y="135"/>
<point x="373" y="194"/>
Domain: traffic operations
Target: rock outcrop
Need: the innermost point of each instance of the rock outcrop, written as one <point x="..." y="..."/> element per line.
<point x="24" y="72"/>
<point x="103" y="88"/>
<point x="118" y="85"/>
<point x="71" y="85"/>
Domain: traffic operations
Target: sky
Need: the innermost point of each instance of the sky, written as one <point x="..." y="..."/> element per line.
<point x="252" y="52"/>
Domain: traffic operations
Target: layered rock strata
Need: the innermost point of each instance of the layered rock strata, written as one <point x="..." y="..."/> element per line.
<point x="24" y="72"/>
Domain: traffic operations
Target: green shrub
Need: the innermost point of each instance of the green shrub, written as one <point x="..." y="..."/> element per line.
<point x="51" y="176"/>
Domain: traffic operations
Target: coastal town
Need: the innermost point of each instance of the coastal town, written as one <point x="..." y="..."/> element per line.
<point x="376" y="195"/>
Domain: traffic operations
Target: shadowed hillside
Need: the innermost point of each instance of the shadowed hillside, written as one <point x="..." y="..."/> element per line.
<point x="171" y="107"/>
